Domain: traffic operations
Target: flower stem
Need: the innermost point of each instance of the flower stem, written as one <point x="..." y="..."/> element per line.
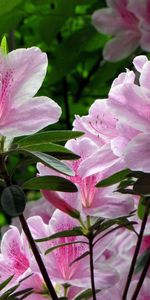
<point x="27" y="232"/>
<point x="38" y="257"/>
<point x="92" y="267"/>
<point x="141" y="280"/>
<point x="136" y="252"/>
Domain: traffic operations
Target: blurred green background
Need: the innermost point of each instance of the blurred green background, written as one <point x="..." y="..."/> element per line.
<point x="77" y="73"/>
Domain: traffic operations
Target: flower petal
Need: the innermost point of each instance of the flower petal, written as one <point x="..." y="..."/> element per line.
<point x="137" y="153"/>
<point x="28" y="67"/>
<point x="121" y="46"/>
<point x="30" y="117"/>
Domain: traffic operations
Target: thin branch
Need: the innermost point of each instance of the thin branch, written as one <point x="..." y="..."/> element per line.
<point x="141" y="280"/>
<point x="139" y="241"/>
<point x="92" y="267"/>
<point x="38" y="257"/>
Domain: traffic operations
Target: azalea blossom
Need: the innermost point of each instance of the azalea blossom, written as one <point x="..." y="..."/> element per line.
<point x="15" y="260"/>
<point x="59" y="262"/>
<point x="22" y="72"/>
<point x="89" y="200"/>
<point x="130" y="29"/>
<point x="134" y="114"/>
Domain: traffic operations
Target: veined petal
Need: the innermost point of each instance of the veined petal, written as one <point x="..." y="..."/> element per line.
<point x="130" y="104"/>
<point x="121" y="46"/>
<point x="137" y="153"/>
<point x="30" y="117"/>
<point x="28" y="69"/>
<point x="139" y="61"/>
<point x="103" y="21"/>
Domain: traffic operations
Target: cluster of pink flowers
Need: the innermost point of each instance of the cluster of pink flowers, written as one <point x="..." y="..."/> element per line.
<point x="128" y="21"/>
<point x="116" y="137"/>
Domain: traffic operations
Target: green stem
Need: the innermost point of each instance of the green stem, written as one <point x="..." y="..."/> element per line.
<point x="136" y="252"/>
<point x="38" y="257"/>
<point x="92" y="267"/>
<point x="27" y="232"/>
<point x="141" y="280"/>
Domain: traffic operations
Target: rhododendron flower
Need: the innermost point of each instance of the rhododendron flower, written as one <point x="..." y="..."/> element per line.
<point x="129" y="30"/>
<point x="89" y="199"/>
<point x="59" y="261"/>
<point x="22" y="72"/>
<point x="130" y="103"/>
<point x="15" y="260"/>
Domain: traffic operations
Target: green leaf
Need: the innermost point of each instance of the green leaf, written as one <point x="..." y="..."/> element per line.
<point x="8" y="293"/>
<point x="13" y="200"/>
<point x="53" y="149"/>
<point x="53" y="183"/>
<point x="23" y="292"/>
<point x="141" y="209"/>
<point x="49" y="136"/>
<point x="51" y="162"/>
<point x="76" y="231"/>
<point x="141" y="261"/>
<point x="85" y="295"/>
<point x="80" y="257"/>
<point x="4" y="46"/>
<point x="122" y="221"/>
<point x="115" y="178"/>
<point x="5" y="283"/>
<point x="142" y="185"/>
<point x="62" y="245"/>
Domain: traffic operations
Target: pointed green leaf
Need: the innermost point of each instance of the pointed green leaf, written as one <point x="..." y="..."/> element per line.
<point x="53" y="183"/>
<point x="80" y="257"/>
<point x="115" y="178"/>
<point x="76" y="231"/>
<point x="51" y="162"/>
<point x="142" y="185"/>
<point x="4" y="46"/>
<point x="85" y="295"/>
<point x="65" y="244"/>
<point x="53" y="149"/>
<point x="49" y="136"/>
<point x="5" y="283"/>
<point x="141" y="261"/>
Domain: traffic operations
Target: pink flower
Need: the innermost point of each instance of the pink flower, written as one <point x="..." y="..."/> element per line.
<point x="129" y="30"/>
<point x="59" y="261"/>
<point x="134" y="115"/>
<point x="22" y="72"/>
<point x="16" y="259"/>
<point x="89" y="199"/>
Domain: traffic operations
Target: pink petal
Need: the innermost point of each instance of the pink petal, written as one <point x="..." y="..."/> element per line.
<point x="145" y="38"/>
<point x="136" y="112"/>
<point x="137" y="153"/>
<point x="139" y="62"/>
<point x="121" y="46"/>
<point x="15" y="256"/>
<point x="145" y="74"/>
<point x="28" y="67"/>
<point x="100" y="161"/>
<point x="111" y="205"/>
<point x="124" y="77"/>
<point x="103" y="21"/>
<point x="30" y="117"/>
<point x="140" y="8"/>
